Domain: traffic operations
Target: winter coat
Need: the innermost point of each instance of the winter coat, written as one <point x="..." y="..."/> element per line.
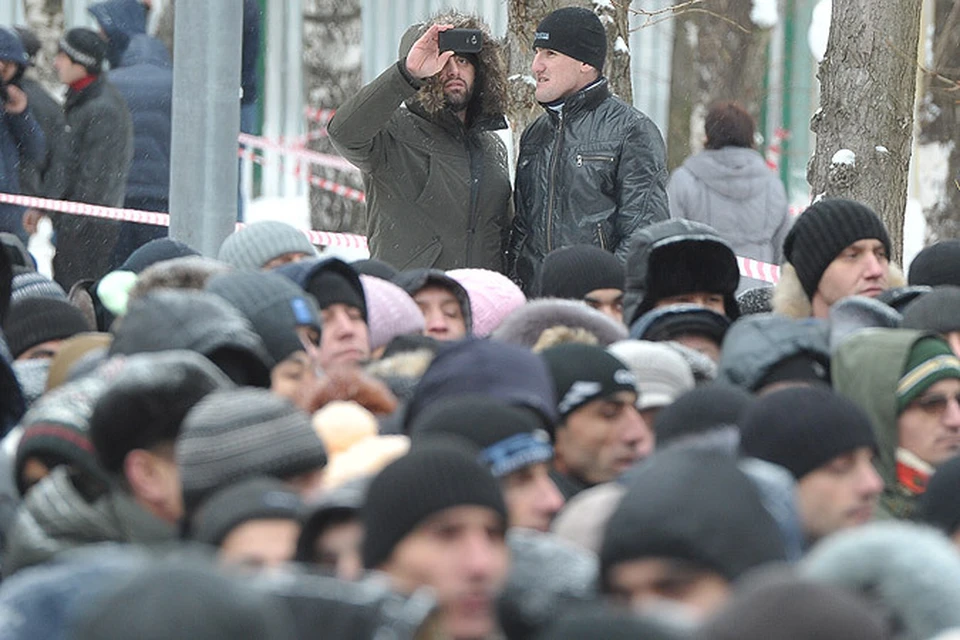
<point x="121" y="21"/>
<point x="734" y="191"/>
<point x="593" y="173"/>
<point x="438" y="192"/>
<point x="56" y="517"/>
<point x="250" y="52"/>
<point x="102" y="140"/>
<point x="145" y="80"/>
<point x="754" y="344"/>
<point x="48" y="177"/>
<point x="791" y="300"/>
<point x="866" y="368"/>
<point x="645" y="246"/>
<point x="20" y="137"/>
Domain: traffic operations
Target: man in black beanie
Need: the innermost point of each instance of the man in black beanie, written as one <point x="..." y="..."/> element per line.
<point x="828" y="444"/>
<point x="102" y="141"/>
<point x="436" y="518"/>
<point x="836" y="248"/>
<point x="584" y="272"/>
<point x="592" y="169"/>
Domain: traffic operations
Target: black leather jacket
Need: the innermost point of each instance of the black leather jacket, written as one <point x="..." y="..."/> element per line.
<point x="591" y="173"/>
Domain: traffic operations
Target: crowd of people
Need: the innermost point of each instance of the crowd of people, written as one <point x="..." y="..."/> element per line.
<point x="548" y="413"/>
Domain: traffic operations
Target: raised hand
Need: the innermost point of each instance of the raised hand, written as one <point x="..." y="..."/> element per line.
<point x="425" y="58"/>
<point x="16" y="99"/>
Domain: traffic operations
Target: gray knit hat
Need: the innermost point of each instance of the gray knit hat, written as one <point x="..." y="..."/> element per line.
<point x="257" y="244"/>
<point x="662" y="374"/>
<point x="235" y="434"/>
<point x="30" y="284"/>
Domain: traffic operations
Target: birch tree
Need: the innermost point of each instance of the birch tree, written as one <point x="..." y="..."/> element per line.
<point x="864" y="126"/>
<point x="45" y="18"/>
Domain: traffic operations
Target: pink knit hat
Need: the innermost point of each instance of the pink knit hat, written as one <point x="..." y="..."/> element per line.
<point x="391" y="311"/>
<point x="492" y="297"/>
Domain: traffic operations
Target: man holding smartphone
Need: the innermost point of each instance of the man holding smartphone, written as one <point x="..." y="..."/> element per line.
<point x="591" y="169"/>
<point x="423" y="134"/>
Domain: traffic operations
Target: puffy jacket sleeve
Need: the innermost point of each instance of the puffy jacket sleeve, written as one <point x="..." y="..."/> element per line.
<point x="642" y="175"/>
<point x="357" y="128"/>
<point x="29" y="136"/>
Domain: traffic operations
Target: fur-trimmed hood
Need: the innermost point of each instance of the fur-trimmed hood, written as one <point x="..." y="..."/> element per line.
<point x="791" y="300"/>
<point x="490" y="85"/>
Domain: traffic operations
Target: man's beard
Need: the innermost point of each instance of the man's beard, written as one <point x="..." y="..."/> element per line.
<point x="458" y="102"/>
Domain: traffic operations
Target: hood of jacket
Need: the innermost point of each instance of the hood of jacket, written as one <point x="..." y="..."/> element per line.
<point x="489" y="102"/>
<point x="733" y="172"/>
<point x="755" y="343"/>
<point x="866" y="368"/>
<point x="647" y="245"/>
<point x="120" y="20"/>
<point x="144" y="49"/>
<point x="56" y="517"/>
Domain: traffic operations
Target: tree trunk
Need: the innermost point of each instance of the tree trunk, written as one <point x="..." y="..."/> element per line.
<point x="332" y="73"/>
<point x="718" y="54"/>
<point x="940" y="118"/>
<point x="867" y="89"/>
<point x="523" y="17"/>
<point x="45" y="18"/>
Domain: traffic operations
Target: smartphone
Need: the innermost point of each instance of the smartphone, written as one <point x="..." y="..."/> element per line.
<point x="461" y="40"/>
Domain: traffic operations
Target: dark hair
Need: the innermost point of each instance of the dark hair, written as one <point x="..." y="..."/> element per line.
<point x="729" y="125"/>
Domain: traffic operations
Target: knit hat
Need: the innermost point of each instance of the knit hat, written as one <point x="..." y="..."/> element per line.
<point x="708" y="408"/>
<point x="33" y="321"/>
<point x="31" y="43"/>
<point x="937" y="311"/>
<point x="493" y="297"/>
<point x="30" y="284"/>
<point x="329" y="281"/>
<point x="334" y="505"/>
<point x="508" y="438"/>
<point x="662" y="374"/>
<point x="273" y="305"/>
<point x="583" y="373"/>
<point x="936" y="265"/>
<point x="413" y="280"/>
<point x="258" y="498"/>
<point x="84" y="46"/>
<point x="802" y="367"/>
<point x="231" y="435"/>
<point x="676" y="320"/>
<point x="804" y="428"/>
<point x="376" y="268"/>
<point x="11" y="47"/>
<point x="940" y="503"/>
<point x="256" y="244"/>
<point x="755" y="300"/>
<point x="391" y="310"/>
<point x="573" y="272"/>
<point x="823" y="231"/>
<point x="696" y="506"/>
<point x="525" y="324"/>
<point x="930" y="360"/>
<point x="158" y="250"/>
<point x="505" y="372"/>
<point x="435" y="476"/>
<point x="575" y="32"/>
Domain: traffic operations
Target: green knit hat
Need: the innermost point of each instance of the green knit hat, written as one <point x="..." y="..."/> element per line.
<point x="930" y="361"/>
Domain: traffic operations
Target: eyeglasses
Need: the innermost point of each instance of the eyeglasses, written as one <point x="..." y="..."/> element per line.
<point x="935" y="403"/>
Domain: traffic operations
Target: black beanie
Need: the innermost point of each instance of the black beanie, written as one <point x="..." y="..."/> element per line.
<point x="936" y="265"/>
<point x="256" y="498"/>
<point x="575" y="32"/>
<point x="573" y="272"/>
<point x="804" y="428"/>
<point x="823" y="231"/>
<point x="712" y="406"/>
<point x="33" y="321"/>
<point x="583" y="373"/>
<point x="940" y="503"/>
<point x="803" y="367"/>
<point x="431" y="478"/>
<point x="937" y="311"/>
<point x="84" y="46"/>
<point x="330" y="287"/>
<point x="509" y="437"/>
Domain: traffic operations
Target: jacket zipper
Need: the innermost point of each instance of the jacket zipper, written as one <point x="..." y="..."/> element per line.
<point x="581" y="159"/>
<point x="603" y="241"/>
<point x="553" y="170"/>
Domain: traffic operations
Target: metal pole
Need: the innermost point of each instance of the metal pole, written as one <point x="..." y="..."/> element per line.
<point x="206" y="122"/>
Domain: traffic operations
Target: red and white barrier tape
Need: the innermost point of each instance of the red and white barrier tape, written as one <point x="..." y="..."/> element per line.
<point x="325" y="238"/>
<point x="321" y="116"/>
<point x="758" y="270"/>
<point x="322" y="183"/>
<point x="298" y="152"/>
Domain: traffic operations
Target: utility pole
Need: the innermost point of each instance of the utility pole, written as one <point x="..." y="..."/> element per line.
<point x="206" y="122"/>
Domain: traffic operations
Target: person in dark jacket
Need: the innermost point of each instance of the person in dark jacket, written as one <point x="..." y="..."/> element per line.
<point x="592" y="169"/>
<point x="47" y="178"/>
<point x="435" y="172"/>
<point x="102" y="143"/>
<point x="20" y="134"/>
<point x="142" y="72"/>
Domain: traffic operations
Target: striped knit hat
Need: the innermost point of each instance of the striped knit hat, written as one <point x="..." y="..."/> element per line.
<point x="232" y="435"/>
<point x="930" y="361"/>
<point x="84" y="46"/>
